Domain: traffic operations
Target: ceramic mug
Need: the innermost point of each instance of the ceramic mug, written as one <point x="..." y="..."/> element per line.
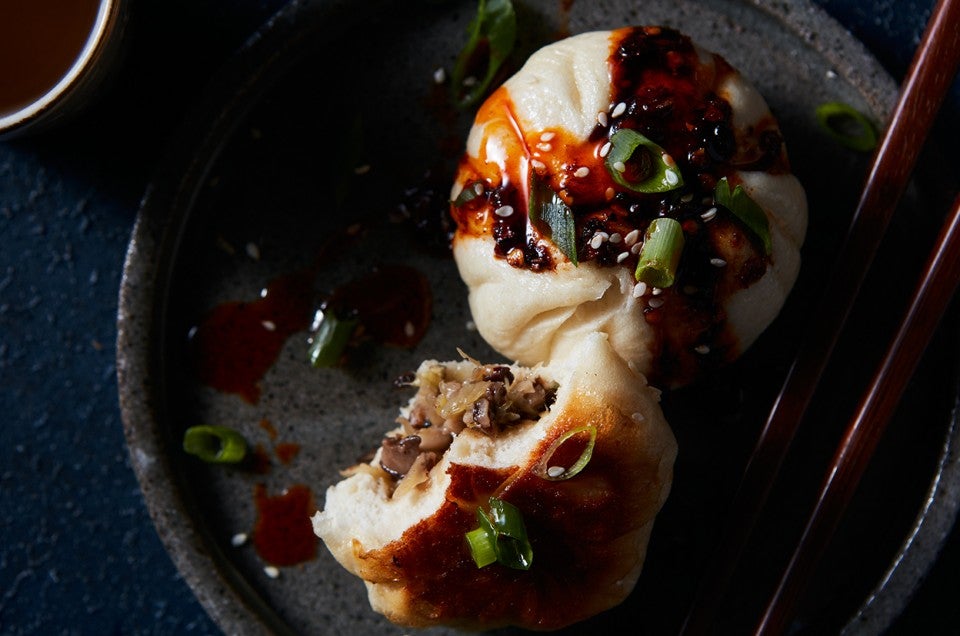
<point x="54" y="54"/>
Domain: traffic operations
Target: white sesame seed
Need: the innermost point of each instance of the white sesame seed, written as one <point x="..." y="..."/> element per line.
<point x="409" y="329"/>
<point x="271" y="571"/>
<point x="362" y="169"/>
<point x="635" y="248"/>
<point x="470" y="81"/>
<point x="718" y="262"/>
<point x="610" y="193"/>
<point x="709" y="214"/>
<point x="544" y="147"/>
<point x="581" y="172"/>
<point x="439" y="76"/>
<point x="253" y="251"/>
<point x="547" y="136"/>
<point x="478" y="188"/>
<point x="632" y="237"/>
<point x="831" y="74"/>
<point x="702" y="349"/>
<point x="687" y="198"/>
<point x="615" y="238"/>
<point x="536" y="163"/>
<point x="655" y="303"/>
<point x="640" y="289"/>
<point x="504" y="210"/>
<point x="556" y="471"/>
<point x="471" y="326"/>
<point x="238" y="539"/>
<point x="620" y="109"/>
<point x="619" y="166"/>
<point x="638" y="417"/>
<point x="269" y="325"/>
<point x="598" y="240"/>
<point x="622" y="256"/>
<point x="605" y="149"/>
<point x="264" y="292"/>
<point x="656" y="291"/>
<point x="671" y="177"/>
<point x="602" y="119"/>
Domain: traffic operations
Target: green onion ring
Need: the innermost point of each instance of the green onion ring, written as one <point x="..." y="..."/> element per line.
<point x="542" y="469"/>
<point x="835" y="118"/>
<point x="664" y="174"/>
<point x="215" y="444"/>
<point x="660" y="254"/>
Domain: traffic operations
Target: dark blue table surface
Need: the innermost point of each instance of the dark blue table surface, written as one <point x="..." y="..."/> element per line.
<point x="78" y="552"/>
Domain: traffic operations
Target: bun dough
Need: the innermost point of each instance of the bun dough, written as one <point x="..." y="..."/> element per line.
<point x="589" y="533"/>
<point x="531" y="316"/>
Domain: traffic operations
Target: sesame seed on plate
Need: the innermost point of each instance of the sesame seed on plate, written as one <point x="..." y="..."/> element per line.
<point x="702" y="349"/>
<point x="238" y="539"/>
<point x="253" y="251"/>
<point x="556" y="471"/>
<point x="439" y="76"/>
<point x="271" y="571"/>
<point x="632" y="237"/>
<point x="471" y="326"/>
<point x="581" y="172"/>
<point x="504" y="210"/>
<point x="605" y="149"/>
<point x="718" y="262"/>
<point x="408" y="329"/>
<point x="640" y="289"/>
<point x="619" y="109"/>
<point x="269" y="325"/>
<point x="709" y="214"/>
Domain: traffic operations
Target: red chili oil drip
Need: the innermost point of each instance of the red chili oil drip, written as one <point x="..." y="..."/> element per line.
<point x="286" y="451"/>
<point x="283" y="534"/>
<point x="237" y="342"/>
<point x="267" y="425"/>
<point x="393" y="304"/>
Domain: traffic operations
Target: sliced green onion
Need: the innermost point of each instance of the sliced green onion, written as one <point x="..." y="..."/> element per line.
<point x="848" y="126"/>
<point x="215" y="444"/>
<point x="330" y="338"/>
<point x="547" y="208"/>
<point x="469" y="192"/>
<point x="545" y="470"/>
<point x="482" y="547"/>
<point x="503" y="531"/>
<point x="639" y="164"/>
<point x="746" y="209"/>
<point x="660" y="254"/>
<point x="496" y="25"/>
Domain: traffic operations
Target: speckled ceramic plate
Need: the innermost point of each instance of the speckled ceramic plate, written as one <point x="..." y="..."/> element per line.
<point x="260" y="185"/>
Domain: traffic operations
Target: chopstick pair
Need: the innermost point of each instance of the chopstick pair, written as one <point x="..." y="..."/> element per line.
<point x="932" y="70"/>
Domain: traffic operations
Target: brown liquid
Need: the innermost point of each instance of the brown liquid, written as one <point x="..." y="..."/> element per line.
<point x="39" y="41"/>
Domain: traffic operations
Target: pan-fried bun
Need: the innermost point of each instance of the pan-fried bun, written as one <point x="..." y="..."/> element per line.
<point x="549" y="129"/>
<point x="588" y="533"/>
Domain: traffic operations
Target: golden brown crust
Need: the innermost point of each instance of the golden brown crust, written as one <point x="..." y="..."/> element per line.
<point x="589" y="536"/>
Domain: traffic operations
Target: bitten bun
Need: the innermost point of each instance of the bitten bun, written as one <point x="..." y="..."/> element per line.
<point x="588" y="533"/>
<point x="550" y="122"/>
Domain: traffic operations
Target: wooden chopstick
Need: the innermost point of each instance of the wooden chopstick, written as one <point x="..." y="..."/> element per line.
<point x="933" y="67"/>
<point x="937" y="286"/>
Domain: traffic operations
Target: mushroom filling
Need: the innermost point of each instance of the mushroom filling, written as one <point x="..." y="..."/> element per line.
<point x="489" y="398"/>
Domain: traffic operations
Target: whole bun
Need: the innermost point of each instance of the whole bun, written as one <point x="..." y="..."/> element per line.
<point x="545" y="134"/>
